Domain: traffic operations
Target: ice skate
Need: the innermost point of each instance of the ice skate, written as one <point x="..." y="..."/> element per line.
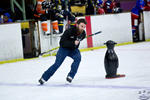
<point x="41" y="81"/>
<point x="69" y="79"/>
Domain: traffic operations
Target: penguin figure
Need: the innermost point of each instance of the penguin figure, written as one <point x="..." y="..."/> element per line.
<point x="111" y="61"/>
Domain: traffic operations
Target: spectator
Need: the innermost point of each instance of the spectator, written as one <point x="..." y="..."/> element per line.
<point x="5" y="18"/>
<point x="147" y="5"/>
<point x="89" y="8"/>
<point x="135" y="18"/>
<point x="67" y="13"/>
<point x="100" y="9"/>
<point x="108" y="6"/>
<point x="117" y="8"/>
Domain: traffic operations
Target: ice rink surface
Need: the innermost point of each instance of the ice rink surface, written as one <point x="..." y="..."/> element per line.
<point x="19" y="81"/>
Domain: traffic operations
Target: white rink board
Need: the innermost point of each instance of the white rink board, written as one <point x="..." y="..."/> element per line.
<point x="47" y="42"/>
<point x="147" y="24"/>
<point x="10" y="42"/>
<point x="116" y="27"/>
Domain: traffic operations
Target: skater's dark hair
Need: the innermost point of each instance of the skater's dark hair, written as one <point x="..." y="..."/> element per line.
<point x="81" y="21"/>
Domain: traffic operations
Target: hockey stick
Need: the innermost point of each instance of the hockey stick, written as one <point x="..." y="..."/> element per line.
<point x="94" y="34"/>
<point x="58" y="47"/>
<point x="48" y="51"/>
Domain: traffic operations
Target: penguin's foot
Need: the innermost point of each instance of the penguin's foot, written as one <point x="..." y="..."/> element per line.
<point x="116" y="76"/>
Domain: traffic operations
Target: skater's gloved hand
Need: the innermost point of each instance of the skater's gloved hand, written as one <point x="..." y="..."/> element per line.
<point x="77" y="42"/>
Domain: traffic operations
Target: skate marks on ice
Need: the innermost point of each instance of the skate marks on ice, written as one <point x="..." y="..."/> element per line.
<point x="72" y="86"/>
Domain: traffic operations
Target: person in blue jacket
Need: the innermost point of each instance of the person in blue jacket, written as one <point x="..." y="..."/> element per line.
<point x="6" y="18"/>
<point x="69" y="44"/>
<point x="135" y="16"/>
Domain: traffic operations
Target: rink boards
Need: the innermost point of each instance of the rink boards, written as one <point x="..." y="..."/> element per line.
<point x="116" y="27"/>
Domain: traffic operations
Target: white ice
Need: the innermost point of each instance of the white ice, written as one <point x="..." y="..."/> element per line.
<point x="19" y="81"/>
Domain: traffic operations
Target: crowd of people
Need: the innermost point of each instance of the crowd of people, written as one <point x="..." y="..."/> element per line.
<point x="102" y="7"/>
<point x="60" y="10"/>
<point x="55" y="11"/>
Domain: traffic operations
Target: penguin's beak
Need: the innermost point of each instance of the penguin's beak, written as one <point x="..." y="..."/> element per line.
<point x="115" y="43"/>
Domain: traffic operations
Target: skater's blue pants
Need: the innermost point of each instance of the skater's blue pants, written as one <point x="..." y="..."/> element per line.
<point x="61" y="55"/>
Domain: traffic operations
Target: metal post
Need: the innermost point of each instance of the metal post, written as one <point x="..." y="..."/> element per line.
<point x="22" y="9"/>
<point x="34" y="2"/>
<point x="12" y="5"/>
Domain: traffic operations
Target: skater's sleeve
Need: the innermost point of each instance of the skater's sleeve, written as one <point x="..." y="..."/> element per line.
<point x="81" y="36"/>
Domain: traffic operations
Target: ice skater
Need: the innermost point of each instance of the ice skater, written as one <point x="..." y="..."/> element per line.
<point x="69" y="44"/>
<point x="111" y="61"/>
